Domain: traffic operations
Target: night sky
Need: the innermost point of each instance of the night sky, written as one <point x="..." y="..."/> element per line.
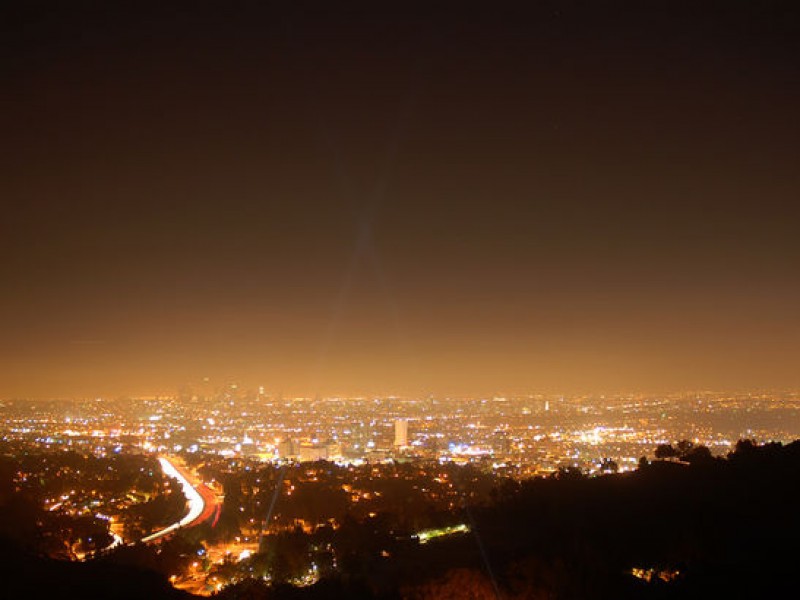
<point x="450" y="198"/>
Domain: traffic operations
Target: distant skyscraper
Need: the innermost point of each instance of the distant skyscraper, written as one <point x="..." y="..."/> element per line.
<point x="401" y="433"/>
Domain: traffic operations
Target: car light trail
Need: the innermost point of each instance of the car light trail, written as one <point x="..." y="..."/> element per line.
<point x="193" y="497"/>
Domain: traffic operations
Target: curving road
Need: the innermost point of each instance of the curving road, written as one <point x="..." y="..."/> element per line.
<point x="198" y="508"/>
<point x="116" y="541"/>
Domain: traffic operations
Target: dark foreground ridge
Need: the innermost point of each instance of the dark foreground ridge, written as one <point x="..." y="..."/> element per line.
<point x="691" y="526"/>
<point x="25" y="575"/>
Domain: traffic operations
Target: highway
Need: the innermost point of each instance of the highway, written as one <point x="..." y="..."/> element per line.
<point x="116" y="541"/>
<point x="198" y="510"/>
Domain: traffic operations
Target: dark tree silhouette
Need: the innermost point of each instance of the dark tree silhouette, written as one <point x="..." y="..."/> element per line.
<point x="666" y="451"/>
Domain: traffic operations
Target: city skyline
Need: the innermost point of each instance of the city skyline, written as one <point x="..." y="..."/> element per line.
<point x="399" y="300"/>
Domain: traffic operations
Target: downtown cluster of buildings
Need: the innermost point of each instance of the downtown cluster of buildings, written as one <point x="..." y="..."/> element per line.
<point x="522" y="435"/>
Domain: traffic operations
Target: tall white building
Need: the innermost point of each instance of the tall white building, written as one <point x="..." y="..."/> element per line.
<point x="400" y="433"/>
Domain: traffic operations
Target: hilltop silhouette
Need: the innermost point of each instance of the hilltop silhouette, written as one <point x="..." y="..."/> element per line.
<point x="688" y="525"/>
